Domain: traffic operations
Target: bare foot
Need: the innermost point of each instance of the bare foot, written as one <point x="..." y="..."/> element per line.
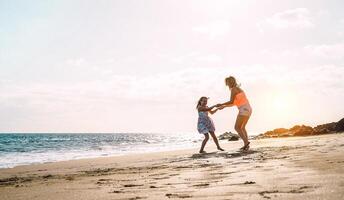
<point x="202" y="151"/>
<point x="246" y="146"/>
<point x="219" y="148"/>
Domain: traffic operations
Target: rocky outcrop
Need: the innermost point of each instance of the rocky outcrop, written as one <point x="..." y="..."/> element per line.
<point x="340" y="126"/>
<point x="325" y="128"/>
<point x="302" y="130"/>
<point x="305" y="130"/>
<point x="229" y="136"/>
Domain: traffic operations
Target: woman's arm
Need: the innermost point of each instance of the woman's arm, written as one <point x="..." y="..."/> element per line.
<point x="213" y="111"/>
<point x="225" y="106"/>
<point x="231" y="101"/>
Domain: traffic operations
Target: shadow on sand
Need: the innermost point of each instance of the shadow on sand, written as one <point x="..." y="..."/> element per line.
<point x="223" y="154"/>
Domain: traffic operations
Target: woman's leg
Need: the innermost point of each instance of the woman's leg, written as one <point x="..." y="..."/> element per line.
<point x="238" y="127"/>
<point x="216" y="141"/>
<point x="243" y="128"/>
<point x="206" y="138"/>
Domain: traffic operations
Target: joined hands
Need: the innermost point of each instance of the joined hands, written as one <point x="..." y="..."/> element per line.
<point x="219" y="106"/>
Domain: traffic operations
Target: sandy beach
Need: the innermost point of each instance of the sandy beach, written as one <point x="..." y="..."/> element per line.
<point x="284" y="168"/>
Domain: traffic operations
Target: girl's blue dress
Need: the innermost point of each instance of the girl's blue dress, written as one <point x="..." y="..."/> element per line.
<point x="205" y="124"/>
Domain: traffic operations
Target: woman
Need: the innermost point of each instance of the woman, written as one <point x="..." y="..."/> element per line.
<point x="239" y="99"/>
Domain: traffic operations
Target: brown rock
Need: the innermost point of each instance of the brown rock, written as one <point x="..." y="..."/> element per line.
<point x="325" y="128"/>
<point x="280" y="130"/>
<point x="296" y="127"/>
<point x="340" y="125"/>
<point x="229" y="136"/>
<point x="303" y="131"/>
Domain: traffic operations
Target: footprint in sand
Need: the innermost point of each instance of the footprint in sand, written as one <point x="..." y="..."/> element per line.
<point x="294" y="191"/>
<point x="202" y="185"/>
<point x="104" y="181"/>
<point x="222" y="173"/>
<point x="117" y="191"/>
<point x="183" y="167"/>
<point x="263" y="193"/>
<point x="169" y="195"/>
<point x="244" y="183"/>
<point x="157" y="174"/>
<point x="132" y="185"/>
<point x="173" y="175"/>
<point x="134" y="198"/>
<point x="161" y="178"/>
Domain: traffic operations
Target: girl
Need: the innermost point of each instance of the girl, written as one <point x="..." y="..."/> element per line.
<point x="205" y="125"/>
<point x="238" y="98"/>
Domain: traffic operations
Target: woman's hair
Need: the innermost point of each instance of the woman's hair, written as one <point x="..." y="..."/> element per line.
<point x="231" y="81"/>
<point x="199" y="101"/>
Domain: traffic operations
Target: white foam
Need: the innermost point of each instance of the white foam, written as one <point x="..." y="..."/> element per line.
<point x="13" y="159"/>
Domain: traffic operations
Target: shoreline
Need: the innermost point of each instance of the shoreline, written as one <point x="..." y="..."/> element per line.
<point x="62" y="147"/>
<point x="136" y="155"/>
<point x="282" y="167"/>
<point x="130" y="153"/>
<point x="182" y="149"/>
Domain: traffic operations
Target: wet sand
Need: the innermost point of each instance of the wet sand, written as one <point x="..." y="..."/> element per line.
<point x="284" y="168"/>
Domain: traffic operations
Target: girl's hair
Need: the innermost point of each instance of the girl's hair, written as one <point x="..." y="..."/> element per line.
<point x="231" y="81"/>
<point x="199" y="101"/>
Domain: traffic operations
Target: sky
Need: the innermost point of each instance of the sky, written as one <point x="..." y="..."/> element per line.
<point x="141" y="66"/>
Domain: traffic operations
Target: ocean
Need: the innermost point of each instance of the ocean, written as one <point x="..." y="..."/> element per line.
<point x="29" y="148"/>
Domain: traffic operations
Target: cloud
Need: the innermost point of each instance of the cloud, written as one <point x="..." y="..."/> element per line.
<point x="341" y="21"/>
<point x="77" y="62"/>
<point x="182" y="58"/>
<point x="329" y="52"/>
<point x="179" y="86"/>
<point x="193" y="58"/>
<point x="332" y="51"/>
<point x="212" y="58"/>
<point x="118" y="87"/>
<point x="214" y="29"/>
<point x="93" y="105"/>
<point x="294" y="18"/>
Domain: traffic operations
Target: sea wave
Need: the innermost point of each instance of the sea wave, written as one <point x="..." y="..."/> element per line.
<point x="24" y="149"/>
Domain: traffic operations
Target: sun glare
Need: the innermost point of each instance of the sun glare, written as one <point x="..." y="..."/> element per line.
<point x="283" y="104"/>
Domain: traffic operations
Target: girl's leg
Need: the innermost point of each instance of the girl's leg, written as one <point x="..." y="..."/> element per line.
<point x="206" y="138"/>
<point x="216" y="141"/>
<point x="238" y="128"/>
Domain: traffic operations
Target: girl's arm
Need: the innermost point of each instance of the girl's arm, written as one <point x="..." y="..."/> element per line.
<point x="206" y="108"/>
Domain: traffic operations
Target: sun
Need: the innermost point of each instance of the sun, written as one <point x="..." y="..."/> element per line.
<point x="283" y="104"/>
<point x="280" y="104"/>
